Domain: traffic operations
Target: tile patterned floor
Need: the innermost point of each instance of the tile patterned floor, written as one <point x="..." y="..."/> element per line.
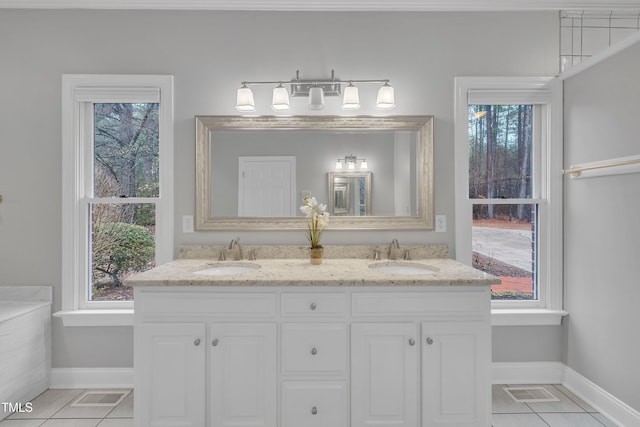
<point x="568" y="411"/>
<point x="52" y="409"/>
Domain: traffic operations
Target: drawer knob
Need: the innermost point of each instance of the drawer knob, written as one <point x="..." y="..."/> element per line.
<point x="314" y="351"/>
<point x="429" y="341"/>
<point x="196" y="342"/>
<point x="314" y="410"/>
<point x="215" y="342"/>
<point x="412" y="341"/>
<point x="313" y="306"/>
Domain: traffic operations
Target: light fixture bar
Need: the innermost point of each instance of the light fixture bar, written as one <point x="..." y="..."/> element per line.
<point x="331" y="87"/>
<point x="316" y="90"/>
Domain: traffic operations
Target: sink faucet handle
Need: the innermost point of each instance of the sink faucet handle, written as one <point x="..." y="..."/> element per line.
<point x="376" y="255"/>
<point x="221" y="257"/>
<point x="407" y="256"/>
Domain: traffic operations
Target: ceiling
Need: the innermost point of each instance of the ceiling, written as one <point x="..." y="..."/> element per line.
<point x="329" y="5"/>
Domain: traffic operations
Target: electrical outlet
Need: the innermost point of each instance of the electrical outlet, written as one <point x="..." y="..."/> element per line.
<point x="187" y="223"/>
<point x="441" y="223"/>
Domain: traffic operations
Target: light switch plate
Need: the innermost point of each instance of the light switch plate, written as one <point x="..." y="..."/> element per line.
<point x="441" y="223"/>
<point x="187" y="223"/>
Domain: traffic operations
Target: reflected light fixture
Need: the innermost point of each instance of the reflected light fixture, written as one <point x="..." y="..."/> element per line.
<point x="351" y="161"/>
<point x="316" y="91"/>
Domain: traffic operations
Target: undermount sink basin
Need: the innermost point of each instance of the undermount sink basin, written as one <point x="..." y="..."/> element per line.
<point x="403" y="268"/>
<point x="227" y="269"/>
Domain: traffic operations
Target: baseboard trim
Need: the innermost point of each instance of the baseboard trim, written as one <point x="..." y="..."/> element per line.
<point x="607" y="404"/>
<point x="92" y="378"/>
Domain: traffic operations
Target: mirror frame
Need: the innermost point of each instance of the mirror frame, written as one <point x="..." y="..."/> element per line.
<point x="422" y="124"/>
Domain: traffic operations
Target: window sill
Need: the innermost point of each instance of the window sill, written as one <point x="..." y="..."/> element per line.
<point x="526" y="317"/>
<point x="122" y="317"/>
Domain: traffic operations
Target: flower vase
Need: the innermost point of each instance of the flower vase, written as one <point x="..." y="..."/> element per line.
<point x="315" y="255"/>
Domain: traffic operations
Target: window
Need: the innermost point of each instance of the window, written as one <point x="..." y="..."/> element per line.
<point x="117" y="187"/>
<point x="509" y="189"/>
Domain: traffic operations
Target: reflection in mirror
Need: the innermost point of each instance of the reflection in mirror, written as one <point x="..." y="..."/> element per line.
<point x="350" y="193"/>
<point x="252" y="172"/>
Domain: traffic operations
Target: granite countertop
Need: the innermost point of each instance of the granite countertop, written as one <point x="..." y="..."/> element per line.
<point x="299" y="272"/>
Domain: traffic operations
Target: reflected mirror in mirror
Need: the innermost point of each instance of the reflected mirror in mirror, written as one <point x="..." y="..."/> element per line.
<point x="253" y="172"/>
<point x="350" y="193"/>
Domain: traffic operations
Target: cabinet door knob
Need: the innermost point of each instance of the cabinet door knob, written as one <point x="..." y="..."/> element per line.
<point x="429" y="341"/>
<point x="314" y="410"/>
<point x="412" y="341"/>
<point x="196" y="342"/>
<point x="215" y="342"/>
<point x="313" y="306"/>
<point x="314" y="351"/>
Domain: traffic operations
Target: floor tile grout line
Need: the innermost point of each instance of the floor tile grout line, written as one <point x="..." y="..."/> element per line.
<point x="542" y="419"/>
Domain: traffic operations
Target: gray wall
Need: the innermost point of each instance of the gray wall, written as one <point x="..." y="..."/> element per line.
<point x="209" y="53"/>
<point x="602" y="228"/>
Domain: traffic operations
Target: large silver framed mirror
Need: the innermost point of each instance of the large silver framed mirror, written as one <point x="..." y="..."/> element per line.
<point x="252" y="173"/>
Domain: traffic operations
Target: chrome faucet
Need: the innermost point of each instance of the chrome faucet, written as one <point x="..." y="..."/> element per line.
<point x="235" y="247"/>
<point x="393" y="248"/>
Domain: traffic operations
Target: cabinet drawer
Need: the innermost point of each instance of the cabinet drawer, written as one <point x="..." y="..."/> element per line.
<point x="435" y="303"/>
<point x="314" y="348"/>
<point x="314" y="404"/>
<point x="313" y="304"/>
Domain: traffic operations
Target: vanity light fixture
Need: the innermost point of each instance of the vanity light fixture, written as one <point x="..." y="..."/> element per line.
<point x="351" y="99"/>
<point x="386" y="97"/>
<point x="244" y="100"/>
<point x="316" y="98"/>
<point x="351" y="162"/>
<point x="315" y="90"/>
<point x="280" y="99"/>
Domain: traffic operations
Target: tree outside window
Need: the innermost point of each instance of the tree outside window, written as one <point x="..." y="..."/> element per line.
<point x="125" y="173"/>
<point x="500" y="188"/>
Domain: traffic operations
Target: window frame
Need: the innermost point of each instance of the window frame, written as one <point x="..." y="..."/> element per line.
<point x="79" y="94"/>
<point x="547" y="191"/>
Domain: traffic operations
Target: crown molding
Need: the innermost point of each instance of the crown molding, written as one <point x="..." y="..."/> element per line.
<point x="328" y="5"/>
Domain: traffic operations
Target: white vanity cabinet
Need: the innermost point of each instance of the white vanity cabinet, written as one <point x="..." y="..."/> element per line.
<point x="312" y="356"/>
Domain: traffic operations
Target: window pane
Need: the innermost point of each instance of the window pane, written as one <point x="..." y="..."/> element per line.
<point x="505" y="246"/>
<point x="122" y="243"/>
<point x="126" y="150"/>
<point x="500" y="151"/>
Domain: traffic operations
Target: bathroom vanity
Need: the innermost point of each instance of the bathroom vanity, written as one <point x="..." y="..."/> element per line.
<point x="289" y="344"/>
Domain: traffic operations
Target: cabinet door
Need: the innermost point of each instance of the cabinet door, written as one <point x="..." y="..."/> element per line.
<point x="384" y="374"/>
<point x="456" y="382"/>
<point x="242" y="374"/>
<point x="170" y="387"/>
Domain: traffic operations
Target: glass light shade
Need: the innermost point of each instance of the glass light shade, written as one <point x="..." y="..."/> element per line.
<point x="351" y="99"/>
<point x="351" y="165"/>
<point x="316" y="98"/>
<point x="363" y="164"/>
<point x="338" y="164"/>
<point x="386" y="97"/>
<point x="280" y="100"/>
<point x="244" y="100"/>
